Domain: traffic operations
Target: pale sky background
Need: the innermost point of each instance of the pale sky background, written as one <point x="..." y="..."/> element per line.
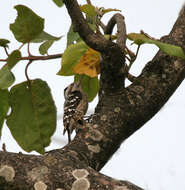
<point x="154" y="157"/>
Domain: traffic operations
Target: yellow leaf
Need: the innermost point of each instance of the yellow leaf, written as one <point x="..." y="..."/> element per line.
<point x="89" y="64"/>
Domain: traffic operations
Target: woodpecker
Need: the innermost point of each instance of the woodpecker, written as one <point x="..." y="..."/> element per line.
<point x="75" y="107"/>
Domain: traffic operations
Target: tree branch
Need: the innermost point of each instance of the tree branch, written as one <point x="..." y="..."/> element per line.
<point x="121" y="29"/>
<point x="94" y="40"/>
<point x="38" y="58"/>
<point x="59" y="169"/>
<point x="125" y="111"/>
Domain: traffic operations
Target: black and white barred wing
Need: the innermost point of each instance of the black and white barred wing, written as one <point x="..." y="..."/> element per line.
<point x="71" y="103"/>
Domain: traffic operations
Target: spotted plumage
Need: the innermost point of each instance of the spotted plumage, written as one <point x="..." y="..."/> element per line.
<point x="75" y="107"/>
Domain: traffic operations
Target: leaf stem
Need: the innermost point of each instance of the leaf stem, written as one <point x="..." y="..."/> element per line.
<point x="26" y="72"/>
<point x="29" y="52"/>
<point x="6" y="51"/>
<point x="21" y="46"/>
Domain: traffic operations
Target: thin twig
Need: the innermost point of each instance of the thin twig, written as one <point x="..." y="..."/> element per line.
<point x="137" y="51"/>
<point x="6" y="51"/>
<point x="29" y="52"/>
<point x="147" y="35"/>
<point x="21" y="46"/>
<point x="129" y="76"/>
<point x="38" y="58"/>
<point x="102" y="25"/>
<point x="127" y="58"/>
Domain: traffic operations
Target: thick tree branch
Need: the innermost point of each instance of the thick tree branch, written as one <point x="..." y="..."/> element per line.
<point x="122" y="113"/>
<point x="121" y="29"/>
<point x="59" y="169"/>
<point x="94" y="40"/>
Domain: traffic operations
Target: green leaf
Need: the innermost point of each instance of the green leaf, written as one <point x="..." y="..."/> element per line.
<point x="110" y="10"/>
<point x="27" y="25"/>
<point x="3" y="107"/>
<point x="89" y="85"/>
<point x="32" y="121"/>
<point x="70" y="57"/>
<point x="89" y="10"/>
<point x="13" y="58"/>
<point x="43" y="49"/>
<point x="6" y="77"/>
<point x="43" y="36"/>
<point x="72" y="36"/>
<point x="59" y="3"/>
<point x="171" y="50"/>
<point x="4" y="42"/>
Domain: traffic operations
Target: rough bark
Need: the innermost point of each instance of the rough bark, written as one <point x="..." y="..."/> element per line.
<point x="119" y="113"/>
